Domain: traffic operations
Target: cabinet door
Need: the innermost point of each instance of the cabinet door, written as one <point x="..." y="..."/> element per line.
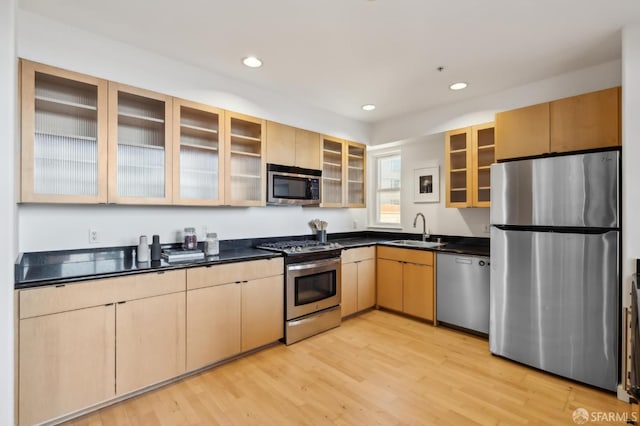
<point x="418" y="290"/>
<point x="522" y="132"/>
<point x="389" y="277"/>
<point x="307" y="149"/>
<point x="64" y="136"/>
<point x="140" y="153"/>
<point x="281" y="144"/>
<point x="333" y="166"/>
<point x="150" y="341"/>
<point x="245" y="160"/>
<point x="198" y="154"/>
<point x="213" y="324"/>
<point x="458" y="159"/>
<point x="366" y="284"/>
<point x="262" y="311"/>
<point x="483" y="157"/>
<point x="356" y="172"/>
<point x="349" y="283"/>
<point x="67" y="362"/>
<point x="586" y="121"/>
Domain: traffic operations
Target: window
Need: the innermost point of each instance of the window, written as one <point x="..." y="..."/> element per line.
<point x="388" y="177"/>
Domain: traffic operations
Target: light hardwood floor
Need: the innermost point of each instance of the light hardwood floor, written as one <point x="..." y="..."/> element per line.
<point x="376" y="369"/>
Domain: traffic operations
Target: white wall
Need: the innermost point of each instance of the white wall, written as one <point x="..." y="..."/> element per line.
<point x="8" y="69"/>
<point x="65" y="227"/>
<point x="482" y="109"/>
<point x="428" y="151"/>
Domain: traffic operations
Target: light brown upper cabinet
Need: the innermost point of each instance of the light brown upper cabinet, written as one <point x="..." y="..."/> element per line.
<point x="582" y="122"/>
<point x="140" y="146"/>
<point x="356" y="172"/>
<point x="64" y="136"/>
<point x="587" y="121"/>
<point x="291" y="146"/>
<point x="244" y="160"/>
<point x="343" y="173"/>
<point x="522" y="132"/>
<point x="469" y="155"/>
<point x="333" y="159"/>
<point x="198" y="154"/>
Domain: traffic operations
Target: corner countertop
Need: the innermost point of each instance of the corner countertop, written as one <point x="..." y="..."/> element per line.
<point x="56" y="267"/>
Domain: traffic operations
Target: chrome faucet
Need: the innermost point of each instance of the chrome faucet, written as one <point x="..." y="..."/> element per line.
<point x="424" y="226"/>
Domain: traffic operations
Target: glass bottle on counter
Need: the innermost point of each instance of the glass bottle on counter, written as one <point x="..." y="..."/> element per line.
<point x="211" y="244"/>
<point x="190" y="239"/>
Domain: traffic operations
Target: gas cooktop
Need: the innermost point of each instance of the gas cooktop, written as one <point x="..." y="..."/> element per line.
<point x="299" y="246"/>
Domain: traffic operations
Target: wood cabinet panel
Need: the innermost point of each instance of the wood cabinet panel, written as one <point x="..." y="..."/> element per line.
<point x="233" y="272"/>
<point x="406" y="255"/>
<point x="66" y="362"/>
<point x="281" y="144"/>
<point x="458" y="164"/>
<point x="366" y="284"/>
<point x="349" y="282"/>
<point x="586" y="121"/>
<point x="307" y="149"/>
<point x="52" y="299"/>
<point x="358" y="254"/>
<point x="262" y="312"/>
<point x="522" y="132"/>
<point x="150" y="341"/>
<point x="389" y="280"/>
<point x="418" y="290"/>
<point x="213" y="324"/>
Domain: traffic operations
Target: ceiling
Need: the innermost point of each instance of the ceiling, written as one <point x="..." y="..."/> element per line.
<point x="341" y="54"/>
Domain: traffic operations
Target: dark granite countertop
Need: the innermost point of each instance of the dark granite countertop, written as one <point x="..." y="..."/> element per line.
<point x="47" y="268"/>
<point x="56" y="267"/>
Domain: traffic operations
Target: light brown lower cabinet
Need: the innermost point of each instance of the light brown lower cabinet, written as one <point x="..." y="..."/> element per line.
<point x="358" y="280"/>
<point x="406" y="281"/>
<point x="67" y="362"/>
<point x="233" y="308"/>
<point x="150" y="341"/>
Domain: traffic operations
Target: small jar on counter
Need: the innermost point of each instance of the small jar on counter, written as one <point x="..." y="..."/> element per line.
<point x="190" y="239"/>
<point x="211" y="244"/>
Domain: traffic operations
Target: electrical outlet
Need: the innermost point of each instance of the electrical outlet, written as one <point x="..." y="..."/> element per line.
<point x="93" y="235"/>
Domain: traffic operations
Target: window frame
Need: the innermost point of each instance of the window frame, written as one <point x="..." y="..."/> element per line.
<point x="375" y="219"/>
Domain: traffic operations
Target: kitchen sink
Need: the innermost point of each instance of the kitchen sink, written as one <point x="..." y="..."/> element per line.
<point x="415" y="243"/>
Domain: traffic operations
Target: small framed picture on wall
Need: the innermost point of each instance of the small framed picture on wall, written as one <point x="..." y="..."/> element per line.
<point x="426" y="185"/>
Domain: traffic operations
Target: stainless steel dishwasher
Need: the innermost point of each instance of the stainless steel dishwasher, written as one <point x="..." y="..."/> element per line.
<point x="462" y="295"/>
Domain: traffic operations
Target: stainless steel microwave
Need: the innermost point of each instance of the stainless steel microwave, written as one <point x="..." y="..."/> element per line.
<point x="293" y="185"/>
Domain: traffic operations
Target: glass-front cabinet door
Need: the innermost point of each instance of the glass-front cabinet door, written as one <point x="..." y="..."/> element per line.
<point x="356" y="160"/>
<point x="245" y="160"/>
<point x="198" y="154"/>
<point x="333" y="159"/>
<point x="64" y="136"/>
<point x="140" y="155"/>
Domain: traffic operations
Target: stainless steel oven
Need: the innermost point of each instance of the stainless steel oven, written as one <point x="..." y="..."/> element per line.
<point x="312" y="286"/>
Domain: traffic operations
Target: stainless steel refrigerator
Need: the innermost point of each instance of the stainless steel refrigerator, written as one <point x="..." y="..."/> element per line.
<point x="555" y="265"/>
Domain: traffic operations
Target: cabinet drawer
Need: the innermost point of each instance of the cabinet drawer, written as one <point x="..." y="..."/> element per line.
<point x="406" y="255"/>
<point x="358" y="254"/>
<point x="52" y="299"/>
<point x="207" y="276"/>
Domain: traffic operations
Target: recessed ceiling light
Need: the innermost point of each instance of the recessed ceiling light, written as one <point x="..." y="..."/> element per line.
<point x="252" y="62"/>
<point x="458" y="86"/>
<point x="368" y="107"/>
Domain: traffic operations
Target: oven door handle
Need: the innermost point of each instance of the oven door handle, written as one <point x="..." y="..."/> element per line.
<point x="313" y="265"/>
